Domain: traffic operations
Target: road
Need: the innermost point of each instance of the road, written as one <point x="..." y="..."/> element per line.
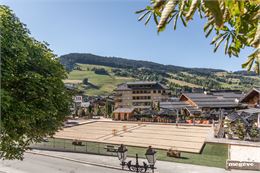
<point x="42" y="164"/>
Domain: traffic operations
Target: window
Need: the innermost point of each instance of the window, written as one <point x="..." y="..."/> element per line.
<point x="159" y="91"/>
<point x="154" y="91"/>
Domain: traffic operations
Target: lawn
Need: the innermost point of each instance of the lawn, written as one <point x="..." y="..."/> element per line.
<point x="214" y="155"/>
<point x="183" y="83"/>
<point x="104" y="84"/>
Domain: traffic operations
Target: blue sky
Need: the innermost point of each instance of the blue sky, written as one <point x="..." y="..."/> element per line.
<point x="110" y="28"/>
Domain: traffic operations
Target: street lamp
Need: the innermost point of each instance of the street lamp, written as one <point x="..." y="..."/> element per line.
<point x="122" y="154"/>
<point x="150" y="156"/>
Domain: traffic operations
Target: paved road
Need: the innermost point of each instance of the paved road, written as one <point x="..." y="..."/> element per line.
<point x="34" y="163"/>
<point x="42" y="164"/>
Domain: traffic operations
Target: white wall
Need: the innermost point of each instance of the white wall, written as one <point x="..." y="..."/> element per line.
<point x="244" y="153"/>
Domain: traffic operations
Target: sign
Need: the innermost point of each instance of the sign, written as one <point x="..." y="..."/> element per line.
<point x="78" y="99"/>
<point x="231" y="164"/>
<point x="85" y="104"/>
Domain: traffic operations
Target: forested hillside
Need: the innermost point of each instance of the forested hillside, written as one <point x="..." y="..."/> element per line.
<point x="104" y="73"/>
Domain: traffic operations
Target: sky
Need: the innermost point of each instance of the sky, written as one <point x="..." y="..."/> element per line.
<point x="111" y="28"/>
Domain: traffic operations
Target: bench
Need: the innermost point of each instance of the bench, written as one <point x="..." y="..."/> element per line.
<point x="77" y="142"/>
<point x="173" y="153"/>
<point x="111" y="148"/>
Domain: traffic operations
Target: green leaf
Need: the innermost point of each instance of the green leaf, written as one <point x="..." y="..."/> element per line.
<point x="209" y="31"/>
<point x="254" y="57"/>
<point x="140" y="11"/>
<point x="142" y="16"/>
<point x="208" y="24"/>
<point x="214" y="8"/>
<point x="167" y="11"/>
<point x="175" y="22"/>
<point x="216" y="38"/>
<point x="148" y="18"/>
<point x="155" y="19"/>
<point x="193" y="8"/>
<point x="219" y="42"/>
<point x="226" y="44"/>
<point x="183" y="21"/>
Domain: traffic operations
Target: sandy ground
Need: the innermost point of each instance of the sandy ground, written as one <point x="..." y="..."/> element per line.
<point x="183" y="138"/>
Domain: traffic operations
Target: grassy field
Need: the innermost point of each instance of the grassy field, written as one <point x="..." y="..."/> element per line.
<point x="214" y="155"/>
<point x="104" y="84"/>
<point x="183" y="83"/>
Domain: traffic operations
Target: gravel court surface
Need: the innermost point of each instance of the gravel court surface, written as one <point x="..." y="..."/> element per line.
<point x="161" y="136"/>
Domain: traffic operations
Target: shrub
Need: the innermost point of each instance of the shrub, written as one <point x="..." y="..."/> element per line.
<point x="240" y="130"/>
<point x="254" y="132"/>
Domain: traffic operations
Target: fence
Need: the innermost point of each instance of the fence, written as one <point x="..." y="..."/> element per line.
<point x="59" y="144"/>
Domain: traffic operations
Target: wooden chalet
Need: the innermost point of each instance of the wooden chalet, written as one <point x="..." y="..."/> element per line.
<point x="252" y="98"/>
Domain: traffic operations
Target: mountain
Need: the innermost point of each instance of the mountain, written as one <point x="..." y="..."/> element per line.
<point x="104" y="73"/>
<point x="71" y="59"/>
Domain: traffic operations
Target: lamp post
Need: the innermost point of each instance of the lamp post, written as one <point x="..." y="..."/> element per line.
<point x="150" y="156"/>
<point x="122" y="154"/>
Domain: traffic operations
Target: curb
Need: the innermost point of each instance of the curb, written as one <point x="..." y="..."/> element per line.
<point x="78" y="161"/>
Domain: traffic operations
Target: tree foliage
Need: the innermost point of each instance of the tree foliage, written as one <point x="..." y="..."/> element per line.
<point x="85" y="81"/>
<point x="34" y="101"/>
<point x="236" y="23"/>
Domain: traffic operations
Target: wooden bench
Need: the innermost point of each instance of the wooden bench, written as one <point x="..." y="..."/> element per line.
<point x="173" y="153"/>
<point x="77" y="142"/>
<point x="111" y="148"/>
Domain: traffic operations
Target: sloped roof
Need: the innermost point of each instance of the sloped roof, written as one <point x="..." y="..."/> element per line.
<point x="176" y="104"/>
<point x="250" y="110"/>
<point x="148" y="112"/>
<point x="193" y="110"/>
<point x="136" y="85"/>
<point x="123" y="110"/>
<point x="243" y="116"/>
<point x="214" y="100"/>
<point x="257" y="90"/>
<point x="167" y="112"/>
<point x="141" y="82"/>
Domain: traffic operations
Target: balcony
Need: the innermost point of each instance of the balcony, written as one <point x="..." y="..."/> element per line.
<point x="166" y="94"/>
<point x="118" y="94"/>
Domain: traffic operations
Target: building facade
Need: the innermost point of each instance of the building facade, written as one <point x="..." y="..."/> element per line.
<point x="210" y="101"/>
<point x="140" y="95"/>
<point x="252" y="98"/>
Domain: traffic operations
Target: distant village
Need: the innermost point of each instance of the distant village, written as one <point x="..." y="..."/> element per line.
<point x="236" y="113"/>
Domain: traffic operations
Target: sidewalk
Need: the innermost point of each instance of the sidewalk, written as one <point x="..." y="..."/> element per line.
<point x="113" y="162"/>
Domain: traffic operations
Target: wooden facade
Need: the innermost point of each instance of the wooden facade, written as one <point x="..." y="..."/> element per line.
<point x="123" y="114"/>
<point x="252" y="98"/>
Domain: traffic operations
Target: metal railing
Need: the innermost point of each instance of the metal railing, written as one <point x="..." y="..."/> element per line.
<point x="70" y="145"/>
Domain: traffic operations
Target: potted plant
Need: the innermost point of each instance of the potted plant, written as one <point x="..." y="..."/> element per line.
<point x="240" y="130"/>
<point x="254" y="133"/>
<point x="227" y="129"/>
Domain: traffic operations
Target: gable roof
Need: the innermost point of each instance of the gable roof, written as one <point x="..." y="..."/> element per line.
<point x="256" y="90"/>
<point x="214" y="99"/>
<point x="137" y="85"/>
<point x="123" y="110"/>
